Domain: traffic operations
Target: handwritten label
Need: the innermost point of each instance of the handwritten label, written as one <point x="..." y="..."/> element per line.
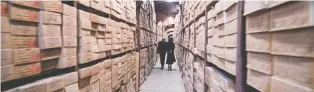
<point x="69" y="21"/>
<point x="22" y="28"/>
<point x="55" y="6"/>
<point x="50" y="30"/>
<point x="51" y="18"/>
<point x="18" y="13"/>
<point x="69" y="31"/>
<point x="33" y="4"/>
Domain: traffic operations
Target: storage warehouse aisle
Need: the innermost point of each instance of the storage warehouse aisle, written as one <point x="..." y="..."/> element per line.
<point x="163" y="80"/>
<point x="111" y="46"/>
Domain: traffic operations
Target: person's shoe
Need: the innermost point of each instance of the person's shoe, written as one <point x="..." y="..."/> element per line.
<point x="170" y="68"/>
<point x="162" y="67"/>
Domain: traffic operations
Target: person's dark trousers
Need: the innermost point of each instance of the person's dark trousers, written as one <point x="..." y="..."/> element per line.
<point x="162" y="59"/>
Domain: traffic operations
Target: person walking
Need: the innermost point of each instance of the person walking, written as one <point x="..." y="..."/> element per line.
<point x="170" y="53"/>
<point x="161" y="49"/>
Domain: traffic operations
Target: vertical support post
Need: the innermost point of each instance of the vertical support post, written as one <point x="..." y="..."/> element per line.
<point x="241" y="54"/>
<point x="138" y="27"/>
<point x="156" y="41"/>
<point x="77" y="20"/>
<point x="192" y="49"/>
<point x="138" y="46"/>
<point x="206" y="42"/>
<point x="110" y="17"/>
<point x="111" y="51"/>
<point x="194" y="33"/>
<point x="181" y="11"/>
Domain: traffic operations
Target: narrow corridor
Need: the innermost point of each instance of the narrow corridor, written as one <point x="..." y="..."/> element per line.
<point x="163" y="80"/>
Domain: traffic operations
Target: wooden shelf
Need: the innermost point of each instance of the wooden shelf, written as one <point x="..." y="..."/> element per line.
<point x="26" y="80"/>
<point x="150" y="31"/>
<point x="221" y="70"/>
<point x="92" y="10"/>
<point x="145" y="46"/>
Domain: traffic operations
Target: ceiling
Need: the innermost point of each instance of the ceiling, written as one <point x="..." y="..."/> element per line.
<point x="165" y="9"/>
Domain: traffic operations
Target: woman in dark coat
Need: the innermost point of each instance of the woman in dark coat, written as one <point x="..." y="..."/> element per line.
<point x="170" y="53"/>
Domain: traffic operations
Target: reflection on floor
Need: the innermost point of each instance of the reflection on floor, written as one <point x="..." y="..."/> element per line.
<point x="164" y="80"/>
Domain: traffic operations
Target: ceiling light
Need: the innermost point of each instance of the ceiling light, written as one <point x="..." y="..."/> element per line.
<point x="169" y="0"/>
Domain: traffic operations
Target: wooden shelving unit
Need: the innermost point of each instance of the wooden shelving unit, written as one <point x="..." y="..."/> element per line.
<point x="184" y="36"/>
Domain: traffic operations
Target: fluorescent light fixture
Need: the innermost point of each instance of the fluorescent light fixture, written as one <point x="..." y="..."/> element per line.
<point x="169" y="0"/>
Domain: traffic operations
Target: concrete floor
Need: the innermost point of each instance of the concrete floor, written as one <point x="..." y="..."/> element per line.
<point x="163" y="80"/>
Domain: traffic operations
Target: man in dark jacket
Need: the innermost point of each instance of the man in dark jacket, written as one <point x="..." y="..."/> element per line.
<point x="161" y="49"/>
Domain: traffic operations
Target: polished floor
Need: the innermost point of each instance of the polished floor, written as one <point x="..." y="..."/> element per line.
<point x="163" y="80"/>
